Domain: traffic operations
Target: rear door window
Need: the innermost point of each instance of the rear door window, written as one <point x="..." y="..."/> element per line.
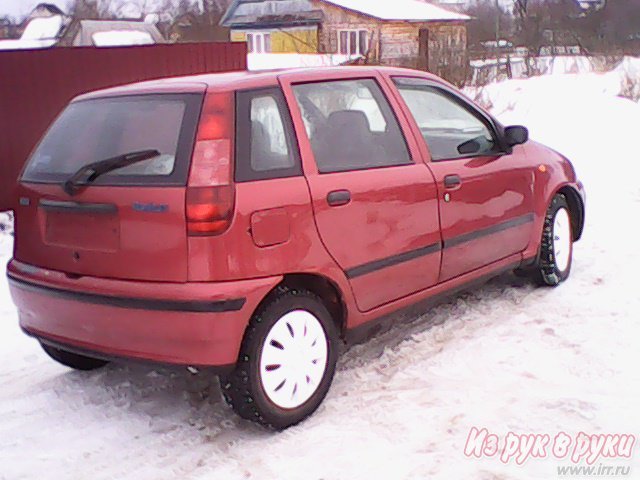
<point x="351" y="126"/>
<point x="93" y="130"/>
<point x="266" y="146"/>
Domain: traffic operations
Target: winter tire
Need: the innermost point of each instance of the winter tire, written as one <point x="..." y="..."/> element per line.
<point x="556" y="249"/>
<point x="287" y="360"/>
<point x="73" y="360"/>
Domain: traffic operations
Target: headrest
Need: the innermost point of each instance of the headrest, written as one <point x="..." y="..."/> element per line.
<point x="351" y="120"/>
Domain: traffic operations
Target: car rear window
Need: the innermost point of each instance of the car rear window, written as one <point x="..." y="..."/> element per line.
<point x="94" y="130"/>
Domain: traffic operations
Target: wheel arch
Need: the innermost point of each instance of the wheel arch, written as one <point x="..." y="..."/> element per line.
<point x="576" y="209"/>
<point x="324" y="287"/>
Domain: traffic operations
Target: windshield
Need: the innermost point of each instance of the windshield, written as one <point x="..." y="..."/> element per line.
<point x="90" y="131"/>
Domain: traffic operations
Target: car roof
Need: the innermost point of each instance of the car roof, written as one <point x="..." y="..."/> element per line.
<point x="241" y="79"/>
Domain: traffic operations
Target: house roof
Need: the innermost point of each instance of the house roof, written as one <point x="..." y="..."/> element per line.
<point x="50" y="7"/>
<point x="43" y="28"/>
<point x="89" y="29"/>
<point x="291" y="12"/>
<point x="407" y="10"/>
<point x="39" y="33"/>
<point x="265" y="12"/>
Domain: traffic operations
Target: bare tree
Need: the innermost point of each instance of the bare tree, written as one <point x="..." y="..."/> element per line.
<point x="90" y="9"/>
<point x="199" y="21"/>
<point x="213" y="10"/>
<point x="615" y="28"/>
<point x="141" y="8"/>
<point x="520" y="8"/>
<point x="490" y="22"/>
<point x="186" y="6"/>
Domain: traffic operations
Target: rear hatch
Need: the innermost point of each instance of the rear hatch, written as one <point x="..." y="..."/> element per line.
<point x="128" y="223"/>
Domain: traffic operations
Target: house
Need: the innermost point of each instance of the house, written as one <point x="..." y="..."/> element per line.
<point x="39" y="32"/>
<point x="109" y="33"/>
<point x="409" y="33"/>
<point x="42" y="10"/>
<point x="48" y="26"/>
<point x="275" y="26"/>
<point x="58" y="30"/>
<point x="190" y="27"/>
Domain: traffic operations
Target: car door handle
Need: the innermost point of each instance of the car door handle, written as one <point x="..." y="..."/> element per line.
<point x="338" y="198"/>
<point x="452" y="181"/>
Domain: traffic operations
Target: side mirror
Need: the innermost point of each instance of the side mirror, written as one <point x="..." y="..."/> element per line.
<point x="516" y="135"/>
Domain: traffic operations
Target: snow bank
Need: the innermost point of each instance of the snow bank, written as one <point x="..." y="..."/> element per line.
<point x="579" y="89"/>
<point x="26" y="44"/>
<point x="120" y="38"/>
<point x="492" y="70"/>
<point x="565" y="64"/>
<point x="43" y="28"/>
<point x="629" y="66"/>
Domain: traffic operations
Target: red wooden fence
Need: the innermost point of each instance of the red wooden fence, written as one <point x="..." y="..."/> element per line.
<point x="35" y="85"/>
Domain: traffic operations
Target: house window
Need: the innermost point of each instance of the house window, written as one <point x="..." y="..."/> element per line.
<point x="353" y="42"/>
<point x="259" y="42"/>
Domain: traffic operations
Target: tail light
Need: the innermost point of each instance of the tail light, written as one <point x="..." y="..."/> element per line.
<point x="210" y="191"/>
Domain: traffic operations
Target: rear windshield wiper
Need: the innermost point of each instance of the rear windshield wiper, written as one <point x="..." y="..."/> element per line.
<point x="90" y="172"/>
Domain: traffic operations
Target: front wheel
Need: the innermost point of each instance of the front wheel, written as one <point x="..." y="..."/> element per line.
<point x="556" y="250"/>
<point x="73" y="360"/>
<point x="287" y="361"/>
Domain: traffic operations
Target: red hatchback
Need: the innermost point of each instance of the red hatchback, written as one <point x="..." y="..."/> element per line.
<point x="250" y="221"/>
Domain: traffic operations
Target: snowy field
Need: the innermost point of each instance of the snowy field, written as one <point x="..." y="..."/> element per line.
<point x="506" y="356"/>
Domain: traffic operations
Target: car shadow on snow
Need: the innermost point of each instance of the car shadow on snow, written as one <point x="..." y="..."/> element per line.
<point x="170" y="400"/>
<point x="470" y="305"/>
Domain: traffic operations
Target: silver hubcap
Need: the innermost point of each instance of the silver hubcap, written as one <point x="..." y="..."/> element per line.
<point x="294" y="359"/>
<point x="562" y="239"/>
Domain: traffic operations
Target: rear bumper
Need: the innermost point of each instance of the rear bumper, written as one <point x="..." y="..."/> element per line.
<point x="196" y="324"/>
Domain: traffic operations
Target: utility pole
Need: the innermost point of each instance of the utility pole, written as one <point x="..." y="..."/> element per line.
<point x="498" y="11"/>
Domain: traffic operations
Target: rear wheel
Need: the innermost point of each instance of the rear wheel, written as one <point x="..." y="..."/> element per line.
<point x="556" y="250"/>
<point x="287" y="361"/>
<point x="73" y="360"/>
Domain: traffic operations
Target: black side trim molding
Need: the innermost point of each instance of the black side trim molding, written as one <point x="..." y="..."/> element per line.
<point x="452" y="242"/>
<point x="499" y="227"/>
<point x="391" y="261"/>
<point x="232" y="305"/>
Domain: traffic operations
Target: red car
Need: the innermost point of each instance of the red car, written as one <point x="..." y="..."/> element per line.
<point x="249" y="222"/>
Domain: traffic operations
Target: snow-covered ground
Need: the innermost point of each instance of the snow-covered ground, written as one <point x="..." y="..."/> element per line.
<point x="493" y="70"/>
<point x="507" y="356"/>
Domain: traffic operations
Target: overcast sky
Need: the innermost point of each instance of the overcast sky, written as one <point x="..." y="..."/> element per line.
<point x="20" y="8"/>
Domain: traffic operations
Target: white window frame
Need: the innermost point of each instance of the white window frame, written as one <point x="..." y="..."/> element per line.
<point x="359" y="50"/>
<point x="259" y="42"/>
